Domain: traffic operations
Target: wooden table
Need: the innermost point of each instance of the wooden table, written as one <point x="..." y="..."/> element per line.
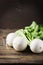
<point x="9" y="55"/>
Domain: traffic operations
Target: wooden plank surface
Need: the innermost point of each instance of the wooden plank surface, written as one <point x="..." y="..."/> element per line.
<point x="9" y="55"/>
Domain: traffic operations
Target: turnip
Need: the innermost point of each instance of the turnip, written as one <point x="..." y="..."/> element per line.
<point x="36" y="45"/>
<point x="9" y="39"/>
<point x="19" y="43"/>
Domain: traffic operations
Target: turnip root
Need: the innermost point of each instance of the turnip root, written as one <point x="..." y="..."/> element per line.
<point x="36" y="45"/>
<point x="19" y="43"/>
<point x="9" y="39"/>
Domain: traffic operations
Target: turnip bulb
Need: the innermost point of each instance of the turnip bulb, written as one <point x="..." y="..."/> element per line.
<point x="36" y="46"/>
<point x="19" y="43"/>
<point x="9" y="39"/>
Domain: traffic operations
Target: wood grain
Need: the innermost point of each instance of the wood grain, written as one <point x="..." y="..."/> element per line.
<point x="9" y="55"/>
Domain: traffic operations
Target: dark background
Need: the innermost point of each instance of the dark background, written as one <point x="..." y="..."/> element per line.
<point x="20" y="13"/>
